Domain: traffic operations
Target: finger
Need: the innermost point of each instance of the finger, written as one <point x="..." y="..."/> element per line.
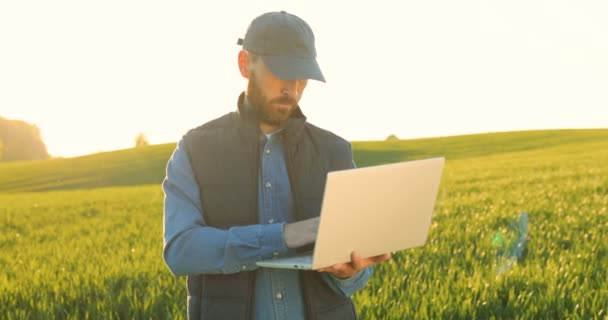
<point x="327" y="269"/>
<point x="362" y="263"/>
<point x="331" y="269"/>
<point x="357" y="262"/>
<point x="340" y="268"/>
<point x="381" y="257"/>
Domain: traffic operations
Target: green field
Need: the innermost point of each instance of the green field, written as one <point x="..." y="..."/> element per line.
<point x="82" y="238"/>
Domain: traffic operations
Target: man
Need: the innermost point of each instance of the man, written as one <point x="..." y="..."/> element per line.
<point x="248" y="186"/>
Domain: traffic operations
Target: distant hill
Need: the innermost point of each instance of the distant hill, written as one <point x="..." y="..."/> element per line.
<point x="472" y="146"/>
<point x="137" y="166"/>
<point x="146" y="165"/>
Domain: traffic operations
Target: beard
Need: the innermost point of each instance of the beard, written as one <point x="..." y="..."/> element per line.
<point x="266" y="112"/>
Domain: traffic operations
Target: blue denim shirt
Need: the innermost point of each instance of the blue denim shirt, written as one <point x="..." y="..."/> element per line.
<point x="191" y="247"/>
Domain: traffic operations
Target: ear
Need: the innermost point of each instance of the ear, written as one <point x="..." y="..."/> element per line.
<point x="243" y="64"/>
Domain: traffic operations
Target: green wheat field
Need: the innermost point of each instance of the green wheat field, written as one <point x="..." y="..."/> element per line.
<point x="81" y="238"/>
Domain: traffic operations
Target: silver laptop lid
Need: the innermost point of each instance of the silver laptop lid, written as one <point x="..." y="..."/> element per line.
<point x="375" y="210"/>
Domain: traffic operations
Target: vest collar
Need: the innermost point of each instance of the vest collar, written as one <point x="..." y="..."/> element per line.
<point x="294" y="128"/>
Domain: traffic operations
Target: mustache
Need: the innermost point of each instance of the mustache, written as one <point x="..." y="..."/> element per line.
<point x="284" y="100"/>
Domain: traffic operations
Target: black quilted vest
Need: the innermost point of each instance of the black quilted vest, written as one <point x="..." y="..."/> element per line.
<point x="224" y="154"/>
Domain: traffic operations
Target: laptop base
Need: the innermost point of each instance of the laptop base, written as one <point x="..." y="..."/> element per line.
<point x="300" y="262"/>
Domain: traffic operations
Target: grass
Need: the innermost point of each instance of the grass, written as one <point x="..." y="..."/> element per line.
<point x="562" y="275"/>
<point x="85" y="254"/>
<point x="90" y="246"/>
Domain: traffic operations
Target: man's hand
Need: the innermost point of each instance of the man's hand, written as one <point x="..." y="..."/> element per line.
<point x="300" y="233"/>
<point x="349" y="269"/>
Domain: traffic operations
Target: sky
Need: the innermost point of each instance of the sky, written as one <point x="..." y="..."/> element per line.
<point x="93" y="74"/>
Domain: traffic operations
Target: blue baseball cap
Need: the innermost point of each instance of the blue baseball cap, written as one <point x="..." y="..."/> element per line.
<point x="286" y="44"/>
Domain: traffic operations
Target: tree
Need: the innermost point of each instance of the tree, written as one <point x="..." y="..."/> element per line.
<point x="392" y="137"/>
<point x="141" y="140"/>
<point x="21" y="141"/>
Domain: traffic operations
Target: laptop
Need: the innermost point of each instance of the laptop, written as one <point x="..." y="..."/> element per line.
<point x="371" y="210"/>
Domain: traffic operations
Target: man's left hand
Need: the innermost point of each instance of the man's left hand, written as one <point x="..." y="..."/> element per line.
<point x="349" y="269"/>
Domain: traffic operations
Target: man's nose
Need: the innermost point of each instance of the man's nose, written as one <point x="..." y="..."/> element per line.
<point x="290" y="87"/>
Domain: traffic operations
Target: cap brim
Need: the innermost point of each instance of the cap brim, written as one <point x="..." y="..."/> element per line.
<point x="293" y="68"/>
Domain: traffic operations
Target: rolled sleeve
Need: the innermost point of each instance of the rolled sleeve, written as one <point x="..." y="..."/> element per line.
<point x="349" y="286"/>
<point x="192" y="247"/>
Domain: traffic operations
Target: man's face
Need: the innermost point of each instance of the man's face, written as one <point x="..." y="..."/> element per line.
<point x="273" y="98"/>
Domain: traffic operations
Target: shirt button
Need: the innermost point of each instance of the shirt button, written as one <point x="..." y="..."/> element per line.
<point x="244" y="267"/>
<point x="267" y="151"/>
<point x="276" y="254"/>
<point x="279" y="296"/>
<point x="268" y="184"/>
<point x="270" y="220"/>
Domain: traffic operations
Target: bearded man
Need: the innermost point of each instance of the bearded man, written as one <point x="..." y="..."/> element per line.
<point x="248" y="186"/>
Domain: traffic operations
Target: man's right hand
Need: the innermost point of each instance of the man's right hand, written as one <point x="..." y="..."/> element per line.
<point x="301" y="233"/>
